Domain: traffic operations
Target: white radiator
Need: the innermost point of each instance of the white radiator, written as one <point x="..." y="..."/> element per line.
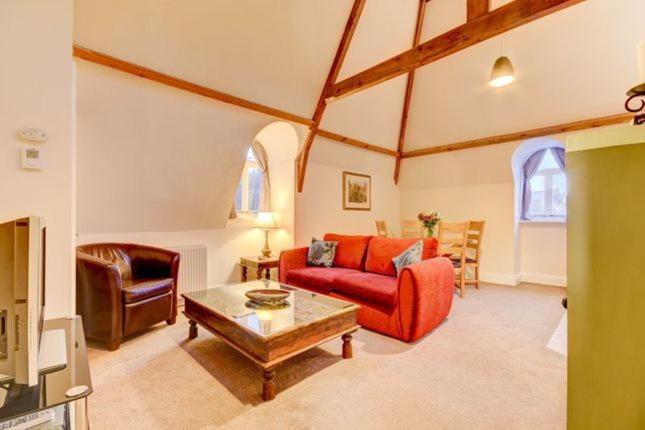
<point x="193" y="268"/>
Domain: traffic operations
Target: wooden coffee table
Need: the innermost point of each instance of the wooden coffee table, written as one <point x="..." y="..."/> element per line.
<point x="268" y="336"/>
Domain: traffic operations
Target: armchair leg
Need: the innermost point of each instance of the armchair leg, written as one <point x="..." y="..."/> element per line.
<point x="113" y="345"/>
<point x="172" y="320"/>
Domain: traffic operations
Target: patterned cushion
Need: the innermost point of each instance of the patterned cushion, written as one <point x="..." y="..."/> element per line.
<point x="409" y="256"/>
<point x="321" y="253"/>
<point x="381" y="251"/>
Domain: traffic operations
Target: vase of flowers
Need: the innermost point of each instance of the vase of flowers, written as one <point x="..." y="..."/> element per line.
<point x="429" y="221"/>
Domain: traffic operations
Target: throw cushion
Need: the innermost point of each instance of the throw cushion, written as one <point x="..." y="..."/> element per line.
<point x="382" y="250"/>
<point x="351" y="250"/>
<point x="409" y="256"/>
<point x="321" y="253"/>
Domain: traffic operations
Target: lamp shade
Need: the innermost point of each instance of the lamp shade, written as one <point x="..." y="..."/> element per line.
<point x="502" y="73"/>
<point x="265" y="220"/>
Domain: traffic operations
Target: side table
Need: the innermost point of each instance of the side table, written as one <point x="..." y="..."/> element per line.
<point x="259" y="264"/>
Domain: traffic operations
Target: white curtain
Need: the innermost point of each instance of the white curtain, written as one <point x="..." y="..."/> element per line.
<point x="263" y="162"/>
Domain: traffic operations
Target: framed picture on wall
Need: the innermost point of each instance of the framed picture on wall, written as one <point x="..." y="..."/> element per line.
<point x="357" y="192"/>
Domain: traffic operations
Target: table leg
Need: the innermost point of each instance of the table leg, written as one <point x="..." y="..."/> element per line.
<point x="267" y="273"/>
<point x="244" y="276"/>
<point x="268" y="386"/>
<point x="192" y="330"/>
<point x="347" y="346"/>
<point x="259" y="273"/>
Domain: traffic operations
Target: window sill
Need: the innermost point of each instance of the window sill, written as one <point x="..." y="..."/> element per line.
<point x="543" y="221"/>
<point x="244" y="219"/>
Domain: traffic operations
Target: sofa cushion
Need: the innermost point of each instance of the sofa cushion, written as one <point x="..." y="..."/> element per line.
<point x="411" y="255"/>
<point x="321" y="253"/>
<point x="351" y="250"/>
<point x="381" y="251"/>
<point x="145" y="288"/>
<point x="318" y="279"/>
<point x="380" y="290"/>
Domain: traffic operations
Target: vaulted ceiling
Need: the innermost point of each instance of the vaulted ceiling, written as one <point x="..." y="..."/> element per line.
<point x="574" y="64"/>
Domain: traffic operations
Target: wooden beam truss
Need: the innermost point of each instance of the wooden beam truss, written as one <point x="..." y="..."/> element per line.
<point x="408" y="92"/>
<point x="523" y="135"/>
<point x="153" y="75"/>
<point x="339" y="58"/>
<point x="486" y="26"/>
<point x="482" y="24"/>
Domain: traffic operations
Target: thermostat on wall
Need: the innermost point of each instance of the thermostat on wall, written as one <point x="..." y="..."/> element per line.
<point x="31" y="158"/>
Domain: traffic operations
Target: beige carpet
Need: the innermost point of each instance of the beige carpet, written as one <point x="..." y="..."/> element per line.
<point x="486" y="367"/>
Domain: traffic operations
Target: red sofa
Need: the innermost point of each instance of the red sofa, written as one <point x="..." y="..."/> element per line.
<point x="406" y="307"/>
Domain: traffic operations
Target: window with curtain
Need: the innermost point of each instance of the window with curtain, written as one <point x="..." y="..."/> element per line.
<point x="545" y="186"/>
<point x="248" y="196"/>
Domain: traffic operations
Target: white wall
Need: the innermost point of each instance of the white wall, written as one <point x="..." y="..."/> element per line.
<point x="478" y="184"/>
<point x="189" y="148"/>
<point x="543" y="253"/>
<point x="224" y="246"/>
<point x="153" y="158"/>
<point x="319" y="208"/>
<point x="36" y="84"/>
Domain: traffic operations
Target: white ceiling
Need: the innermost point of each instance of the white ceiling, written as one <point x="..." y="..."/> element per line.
<point x="572" y="65"/>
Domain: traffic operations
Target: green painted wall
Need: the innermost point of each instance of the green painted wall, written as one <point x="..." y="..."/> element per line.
<point x="606" y="287"/>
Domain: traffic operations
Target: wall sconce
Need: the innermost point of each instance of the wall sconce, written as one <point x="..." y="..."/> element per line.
<point x="637" y="93"/>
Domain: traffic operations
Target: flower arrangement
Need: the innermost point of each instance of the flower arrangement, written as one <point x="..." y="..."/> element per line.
<point x="429" y="221"/>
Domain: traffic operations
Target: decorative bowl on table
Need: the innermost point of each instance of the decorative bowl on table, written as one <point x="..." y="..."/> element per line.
<point x="268" y="296"/>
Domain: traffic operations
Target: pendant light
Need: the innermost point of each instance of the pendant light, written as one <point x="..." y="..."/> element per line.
<point x="502" y="73"/>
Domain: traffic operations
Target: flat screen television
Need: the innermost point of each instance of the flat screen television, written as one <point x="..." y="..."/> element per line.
<point x="22" y="298"/>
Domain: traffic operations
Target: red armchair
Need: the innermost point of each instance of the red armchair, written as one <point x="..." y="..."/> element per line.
<point x="122" y="289"/>
<point x="406" y="306"/>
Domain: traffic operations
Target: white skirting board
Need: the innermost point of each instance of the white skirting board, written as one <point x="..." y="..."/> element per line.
<point x="544" y="278"/>
<point x="515" y="279"/>
<point x="500" y="278"/>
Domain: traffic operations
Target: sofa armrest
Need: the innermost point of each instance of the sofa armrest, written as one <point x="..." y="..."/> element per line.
<point x="426" y="291"/>
<point x="99" y="297"/>
<point x="292" y="259"/>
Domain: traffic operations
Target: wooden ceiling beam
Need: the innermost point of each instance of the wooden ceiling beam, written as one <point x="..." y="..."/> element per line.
<point x="421" y="12"/>
<point x="523" y="135"/>
<point x="477" y="8"/>
<point x="339" y="58"/>
<point x="356" y="143"/>
<point x="162" y="78"/>
<point x="491" y="24"/>
<point x="153" y="75"/>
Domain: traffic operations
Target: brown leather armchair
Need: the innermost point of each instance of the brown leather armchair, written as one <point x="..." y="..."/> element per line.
<point x="124" y="288"/>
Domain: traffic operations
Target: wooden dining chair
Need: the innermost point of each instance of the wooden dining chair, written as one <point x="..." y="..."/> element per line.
<point x="411" y="229"/>
<point x="452" y="244"/>
<point x="381" y="228"/>
<point x="473" y="249"/>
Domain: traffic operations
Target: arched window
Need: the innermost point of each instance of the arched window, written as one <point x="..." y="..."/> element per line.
<point x="544" y="193"/>
<point x="249" y="190"/>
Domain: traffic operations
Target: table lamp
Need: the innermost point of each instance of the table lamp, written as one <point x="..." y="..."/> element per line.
<point x="265" y="221"/>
